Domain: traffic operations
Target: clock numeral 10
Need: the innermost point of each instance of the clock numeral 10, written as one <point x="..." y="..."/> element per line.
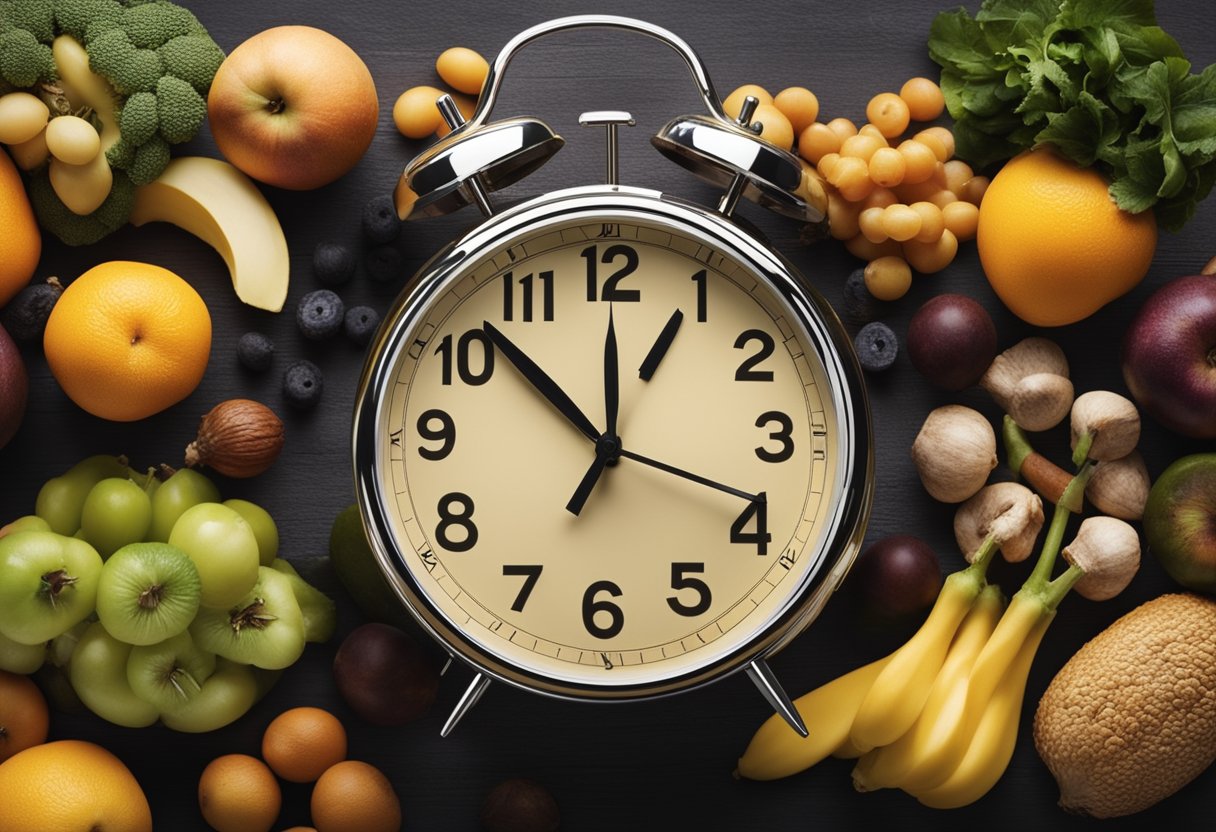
<point x="525" y="283"/>
<point x="761" y="536"/>
<point x="611" y="290"/>
<point x="456" y="509"/>
<point x="463" y="361"/>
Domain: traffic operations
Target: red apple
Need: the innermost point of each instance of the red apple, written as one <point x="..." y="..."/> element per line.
<point x="293" y="106"/>
<point x="1169" y="356"/>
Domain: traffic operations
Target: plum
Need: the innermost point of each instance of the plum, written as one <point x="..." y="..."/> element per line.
<point x="385" y="675"/>
<point x="897" y="575"/>
<point x="951" y="341"/>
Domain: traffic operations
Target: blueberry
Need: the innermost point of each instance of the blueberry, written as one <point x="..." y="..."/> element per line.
<point x="333" y="264"/>
<point x="26" y="315"/>
<point x="383" y="264"/>
<point x="380" y="221"/>
<point x="255" y="351"/>
<point x="319" y="315"/>
<point x="876" y="346"/>
<point x="859" y="305"/>
<point x="361" y="323"/>
<point x="302" y="385"/>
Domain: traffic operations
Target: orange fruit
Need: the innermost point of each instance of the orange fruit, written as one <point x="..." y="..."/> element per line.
<point x="127" y="340"/>
<point x="71" y="785"/>
<point x="355" y="797"/>
<point x="20" y="244"/>
<point x="237" y="793"/>
<point x="300" y="744"/>
<point x="23" y="715"/>
<point x="1053" y="244"/>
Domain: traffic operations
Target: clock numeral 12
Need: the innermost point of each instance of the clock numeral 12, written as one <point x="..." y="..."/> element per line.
<point x="761" y="536"/>
<point x="525" y="282"/>
<point x="611" y="290"/>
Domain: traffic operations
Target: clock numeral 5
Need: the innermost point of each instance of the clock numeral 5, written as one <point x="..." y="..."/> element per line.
<point x="760" y="537"/>
<point x="747" y="370"/>
<point x="525" y="282"/>
<point x="464" y="365"/>
<point x="591" y="606"/>
<point x="446" y="433"/>
<point x="531" y="573"/>
<point x="784" y="434"/>
<point x="679" y="580"/>
<point x="449" y="517"/>
<point x="611" y="290"/>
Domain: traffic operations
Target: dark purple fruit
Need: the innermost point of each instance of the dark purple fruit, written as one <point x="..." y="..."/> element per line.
<point x="385" y="676"/>
<point x="877" y="346"/>
<point x="519" y="805"/>
<point x="897" y="575"/>
<point x="951" y="341"/>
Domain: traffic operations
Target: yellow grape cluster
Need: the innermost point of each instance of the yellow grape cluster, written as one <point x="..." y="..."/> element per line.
<point x="899" y="202"/>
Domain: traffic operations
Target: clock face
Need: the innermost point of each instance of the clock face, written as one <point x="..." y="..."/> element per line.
<point x="691" y="540"/>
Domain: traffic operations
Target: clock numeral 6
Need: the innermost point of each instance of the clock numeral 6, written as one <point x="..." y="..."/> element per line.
<point x="464" y="366"/>
<point x="760" y="537"/>
<point x="592" y="606"/>
<point x="679" y="580"/>
<point x="449" y="517"/>
<point x="784" y="434"/>
<point x="611" y="290"/>
<point x="747" y="370"/>
<point x="446" y="433"/>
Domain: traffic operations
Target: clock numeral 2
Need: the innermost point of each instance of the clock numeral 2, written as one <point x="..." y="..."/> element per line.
<point x="446" y="433"/>
<point x="591" y="607"/>
<point x="525" y="282"/>
<point x="464" y="366"/>
<point x="611" y="290"/>
<point x="680" y="580"/>
<point x="747" y="370"/>
<point x="531" y="573"/>
<point x="449" y="517"/>
<point x="760" y="537"/>
<point x="784" y="434"/>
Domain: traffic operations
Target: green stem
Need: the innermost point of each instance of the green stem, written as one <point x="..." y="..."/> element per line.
<point x="1054" y="592"/>
<point x="978" y="567"/>
<point x="1073" y="495"/>
<point x="1017" y="446"/>
<point x="1081" y="453"/>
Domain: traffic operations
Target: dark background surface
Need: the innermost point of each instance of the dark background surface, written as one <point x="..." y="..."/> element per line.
<point x="659" y="765"/>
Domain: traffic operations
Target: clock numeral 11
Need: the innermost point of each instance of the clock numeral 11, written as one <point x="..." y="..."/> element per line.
<point x="525" y="283"/>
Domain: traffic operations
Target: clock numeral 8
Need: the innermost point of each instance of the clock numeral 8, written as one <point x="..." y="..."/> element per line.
<point x="448" y="518"/>
<point x="592" y="606"/>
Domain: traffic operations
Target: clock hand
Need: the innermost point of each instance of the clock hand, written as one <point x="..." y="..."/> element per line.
<point x="679" y="472"/>
<point x="661" y="345"/>
<point x="539" y="379"/>
<point x="608" y="446"/>
<point x="612" y="378"/>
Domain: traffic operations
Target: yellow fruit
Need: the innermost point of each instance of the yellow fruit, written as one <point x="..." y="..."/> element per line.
<point x="1052" y="243"/>
<point x="20" y="244"/>
<point x="463" y="69"/>
<point x="237" y="793"/>
<point x="23" y="715"/>
<point x="71" y="786"/>
<point x="733" y="103"/>
<point x="415" y="113"/>
<point x="301" y="744"/>
<point x="355" y="797"/>
<point x="777" y="128"/>
<point x="127" y="340"/>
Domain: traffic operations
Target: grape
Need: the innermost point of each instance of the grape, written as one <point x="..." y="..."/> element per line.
<point x="888" y="278"/>
<point x="98" y="672"/>
<point x="827" y="163"/>
<point x="148" y="592"/>
<point x="799" y="105"/>
<point x="263" y="526"/>
<point x="851" y="176"/>
<point x="116" y="512"/>
<point x="842" y="127"/>
<point x="961" y="219"/>
<point x="888" y="112"/>
<point x="169" y="674"/>
<point x="928" y="258"/>
<point x="61" y="498"/>
<point x="869" y="222"/>
<point x="887" y="167"/>
<point x="879" y="198"/>
<point x="274" y="644"/>
<point x="16" y="657"/>
<point x="816" y="141"/>
<point x="28" y="523"/>
<point x="226" y="696"/>
<point x="931" y="221"/>
<point x="973" y="189"/>
<point x="942" y="198"/>
<point x="958" y="173"/>
<point x="924" y="99"/>
<point x="871" y="130"/>
<point x="941" y="134"/>
<point x="918" y="160"/>
<point x="900" y="222"/>
<point x="860" y="146"/>
<point x="223" y="548"/>
<point x="184" y="489"/>
<point x="49" y="585"/>
<point x="842" y="217"/>
<point x="777" y="128"/>
<point x="734" y="102"/>
<point x="863" y="249"/>
<point x="934" y="143"/>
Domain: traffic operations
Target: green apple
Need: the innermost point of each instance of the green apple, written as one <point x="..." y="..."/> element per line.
<point x="99" y="676"/>
<point x="21" y="658"/>
<point x="265" y="628"/>
<point x="223" y="548"/>
<point x="48" y="583"/>
<point x="357" y="568"/>
<point x="148" y="592"/>
<point x="226" y="696"/>
<point x="320" y="614"/>
<point x="28" y="523"/>
<point x="1180" y="521"/>
<point x="169" y="675"/>
<point x="116" y="512"/>
<point x="183" y="489"/>
<point x="264" y="528"/>
<point x="60" y="502"/>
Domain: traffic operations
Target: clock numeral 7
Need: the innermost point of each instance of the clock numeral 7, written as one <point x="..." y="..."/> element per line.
<point x="760" y="537"/>
<point x="611" y="290"/>
<point x="531" y="574"/>
<point x="525" y="282"/>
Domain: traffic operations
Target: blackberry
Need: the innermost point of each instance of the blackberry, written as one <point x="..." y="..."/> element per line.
<point x="380" y="221"/>
<point x="302" y="385"/>
<point x="255" y="352"/>
<point x="333" y="263"/>
<point x="876" y="347"/>
<point x="26" y="315"/>
<point x="859" y="305"/>
<point x="319" y="315"/>
<point x="360" y="324"/>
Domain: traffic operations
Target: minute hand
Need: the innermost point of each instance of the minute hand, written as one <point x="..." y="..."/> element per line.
<point x="539" y="379"/>
<point x="697" y="478"/>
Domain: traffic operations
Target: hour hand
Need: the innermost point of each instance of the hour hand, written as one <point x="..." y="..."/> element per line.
<point x="539" y="379"/>
<point x="661" y="345"/>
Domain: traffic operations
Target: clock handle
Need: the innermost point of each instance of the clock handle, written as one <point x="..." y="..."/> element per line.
<point x="762" y="677"/>
<point x="489" y="89"/>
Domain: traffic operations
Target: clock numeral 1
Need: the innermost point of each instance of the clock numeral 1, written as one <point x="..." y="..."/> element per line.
<point x="525" y="282"/>
<point x="611" y="290"/>
<point x="464" y="365"/>
<point x="446" y="433"/>
<point x="747" y="370"/>
<point x="680" y="580"/>
<point x="591" y="607"/>
<point x="531" y="573"/>
<point x="760" y="537"/>
<point x="784" y="434"/>
<point x="701" y="278"/>
<point x="449" y="517"/>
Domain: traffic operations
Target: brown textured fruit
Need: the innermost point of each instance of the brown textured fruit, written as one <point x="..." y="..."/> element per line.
<point x="1131" y="718"/>
<point x="385" y="675"/>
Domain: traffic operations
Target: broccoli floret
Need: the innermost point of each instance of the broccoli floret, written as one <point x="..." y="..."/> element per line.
<point x="73" y="17"/>
<point x="121" y="155"/>
<point x="74" y="229"/>
<point x="23" y="60"/>
<point x="193" y="58"/>
<point x="128" y="68"/>
<point x="152" y="24"/>
<point x="137" y="119"/>
<point x="150" y="160"/>
<point x="181" y="110"/>
<point x="34" y="16"/>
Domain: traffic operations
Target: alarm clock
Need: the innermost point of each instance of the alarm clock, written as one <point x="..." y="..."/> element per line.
<point x="609" y="445"/>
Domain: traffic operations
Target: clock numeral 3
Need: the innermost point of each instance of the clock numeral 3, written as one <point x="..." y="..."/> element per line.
<point x="525" y="282"/>
<point x="464" y="366"/>
<point x="760" y="537"/>
<point x="449" y="517"/>
<point x="592" y="606"/>
<point x="531" y="573"/>
<point x="446" y="433"/>
<point x="784" y="434"/>
<point x="611" y="290"/>
<point x="747" y="370"/>
<point x="679" y="580"/>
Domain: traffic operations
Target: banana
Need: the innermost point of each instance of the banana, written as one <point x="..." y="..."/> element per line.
<point x="887" y="766"/>
<point x="898" y="694"/>
<point x="217" y="203"/>
<point x="991" y="748"/>
<point x="777" y="751"/>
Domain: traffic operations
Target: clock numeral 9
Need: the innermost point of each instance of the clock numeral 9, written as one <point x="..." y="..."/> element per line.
<point x="611" y="290"/>
<point x="592" y="606"/>
<point x="449" y="517"/>
<point x="784" y="434"/>
<point x="679" y="580"/>
<point x="760" y="537"/>
<point x="446" y="433"/>
<point x="525" y="282"/>
<point x="464" y="366"/>
<point x="747" y="370"/>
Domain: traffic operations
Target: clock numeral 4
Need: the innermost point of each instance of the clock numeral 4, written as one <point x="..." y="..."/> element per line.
<point x="616" y="616"/>
<point x="525" y="283"/>
<point x="784" y="434"/>
<point x="445" y="433"/>
<point x="456" y="509"/>
<point x="680" y="580"/>
<point x="611" y="290"/>
<point x="747" y="370"/>
<point x="531" y="574"/>
<point x="758" y="511"/>
<point x="463" y="360"/>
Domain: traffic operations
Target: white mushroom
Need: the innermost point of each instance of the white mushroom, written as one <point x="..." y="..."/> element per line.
<point x="954" y="452"/>
<point x="1011" y="513"/>
<point x="1108" y="552"/>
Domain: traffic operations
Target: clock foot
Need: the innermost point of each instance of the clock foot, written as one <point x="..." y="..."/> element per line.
<point x="467" y="700"/>
<point x="763" y="677"/>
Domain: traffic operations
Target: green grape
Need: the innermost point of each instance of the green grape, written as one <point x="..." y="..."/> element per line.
<point x="116" y="512"/>
<point x="99" y="676"/>
<point x="61" y="499"/>
<point x="28" y="523"/>
<point x="223" y="548"/>
<point x="49" y="585"/>
<point x="264" y="528"/>
<point x="320" y="614"/>
<point x="264" y="628"/>
<point x="184" y="489"/>
<point x="16" y="657"/>
<point x="225" y="697"/>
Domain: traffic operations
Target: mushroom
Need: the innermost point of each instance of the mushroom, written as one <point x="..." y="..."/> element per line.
<point x="1105" y="426"/>
<point x="1010" y="513"/>
<point x="954" y="452"/>
<point x="1030" y="383"/>
<point x="1107" y="551"/>
<point x="1119" y="487"/>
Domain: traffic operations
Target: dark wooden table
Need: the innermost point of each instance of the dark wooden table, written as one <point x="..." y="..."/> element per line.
<point x="664" y="764"/>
